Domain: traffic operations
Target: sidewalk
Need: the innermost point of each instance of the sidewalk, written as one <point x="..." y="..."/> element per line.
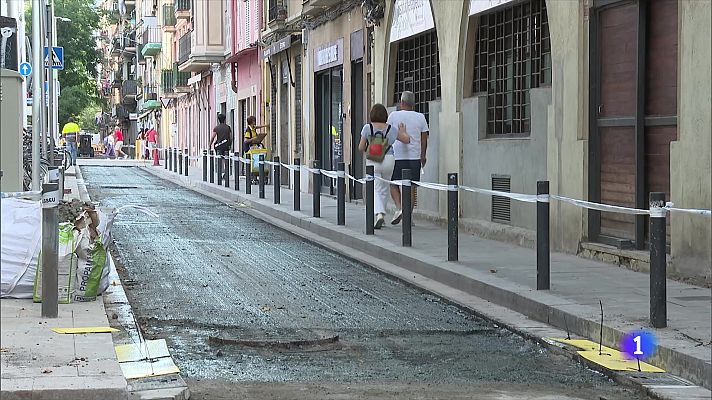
<point x="38" y="363"/>
<point x="505" y="274"/>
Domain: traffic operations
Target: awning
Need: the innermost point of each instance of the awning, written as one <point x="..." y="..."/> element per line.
<point x="235" y="57"/>
<point x="278" y="46"/>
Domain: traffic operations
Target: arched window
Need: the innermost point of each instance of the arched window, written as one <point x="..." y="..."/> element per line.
<point x="512" y="56"/>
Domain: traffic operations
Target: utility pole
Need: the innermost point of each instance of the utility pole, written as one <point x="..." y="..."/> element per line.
<point x="38" y="85"/>
<point x="55" y="84"/>
<point x="50" y="81"/>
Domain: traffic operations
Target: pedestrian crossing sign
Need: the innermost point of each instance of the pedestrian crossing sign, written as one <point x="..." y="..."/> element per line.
<point x="56" y="59"/>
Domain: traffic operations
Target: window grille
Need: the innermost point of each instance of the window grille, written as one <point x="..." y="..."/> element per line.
<point x="418" y="70"/>
<point x="512" y="56"/>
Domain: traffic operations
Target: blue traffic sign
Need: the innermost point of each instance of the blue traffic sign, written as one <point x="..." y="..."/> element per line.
<point x="56" y="60"/>
<point x="25" y="69"/>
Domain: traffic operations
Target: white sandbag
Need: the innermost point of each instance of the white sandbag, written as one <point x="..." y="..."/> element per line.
<point x="21" y="238"/>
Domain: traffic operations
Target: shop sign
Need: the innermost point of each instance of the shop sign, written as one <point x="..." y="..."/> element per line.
<point x="329" y="55"/>
<point x="222" y="92"/>
<point x="411" y="17"/>
<point x="280" y="45"/>
<point x="478" y="6"/>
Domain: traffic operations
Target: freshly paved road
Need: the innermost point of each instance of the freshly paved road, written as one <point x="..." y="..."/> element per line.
<point x="206" y="269"/>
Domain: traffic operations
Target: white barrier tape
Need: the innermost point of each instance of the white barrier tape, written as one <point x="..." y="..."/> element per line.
<point x="657" y="212"/>
<point x="272" y="163"/>
<point x="543" y="198"/>
<point x="437" y="186"/>
<point x="601" y="207"/>
<point x="330" y="174"/>
<point x="527" y="198"/>
<point x="31" y="195"/>
<point x="311" y="170"/>
<point x="353" y="178"/>
<point x="699" y="211"/>
<point x="194" y="158"/>
<point x="290" y="167"/>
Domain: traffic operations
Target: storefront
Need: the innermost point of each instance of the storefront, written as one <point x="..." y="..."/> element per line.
<point x="328" y="101"/>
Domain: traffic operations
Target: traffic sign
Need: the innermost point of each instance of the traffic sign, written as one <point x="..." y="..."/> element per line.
<point x="25" y="69"/>
<point x="56" y="61"/>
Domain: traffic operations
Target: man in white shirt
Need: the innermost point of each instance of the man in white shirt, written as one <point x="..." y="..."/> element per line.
<point x="412" y="155"/>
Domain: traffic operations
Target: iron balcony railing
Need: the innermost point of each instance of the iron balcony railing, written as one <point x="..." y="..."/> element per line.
<point x="180" y="79"/>
<point x="277" y="10"/>
<point x="184" y="44"/>
<point x="182" y="5"/>
<point x="151" y="35"/>
<point x="129" y="88"/>
<point x="169" y="15"/>
<point x="167" y="81"/>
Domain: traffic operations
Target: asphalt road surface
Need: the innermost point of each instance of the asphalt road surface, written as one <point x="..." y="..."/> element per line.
<point x="251" y="311"/>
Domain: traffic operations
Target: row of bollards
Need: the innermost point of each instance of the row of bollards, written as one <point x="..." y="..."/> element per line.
<point x="658" y="312"/>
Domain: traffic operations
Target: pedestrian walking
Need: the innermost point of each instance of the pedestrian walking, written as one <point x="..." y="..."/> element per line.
<point x="251" y="137"/>
<point x="377" y="140"/>
<point x="109" y="146"/>
<point x="412" y="155"/>
<point x="119" y="144"/>
<point x="222" y="141"/>
<point x="70" y="134"/>
<point x="152" y="138"/>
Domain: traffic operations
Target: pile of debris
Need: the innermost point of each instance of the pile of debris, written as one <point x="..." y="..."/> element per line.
<point x="70" y="211"/>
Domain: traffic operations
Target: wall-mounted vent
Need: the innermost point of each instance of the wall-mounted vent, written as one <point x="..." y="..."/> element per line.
<point x="501" y="206"/>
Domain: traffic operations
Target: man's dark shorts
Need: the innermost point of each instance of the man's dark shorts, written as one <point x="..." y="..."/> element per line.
<point x="412" y="165"/>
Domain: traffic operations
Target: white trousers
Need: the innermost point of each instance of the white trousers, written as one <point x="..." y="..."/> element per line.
<point x="381" y="189"/>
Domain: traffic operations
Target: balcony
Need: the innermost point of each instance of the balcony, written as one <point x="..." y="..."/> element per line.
<point x="168" y="83"/>
<point x="169" y="18"/>
<point x="150" y="98"/>
<point x="182" y="9"/>
<point x="313" y="8"/>
<point x="129" y="91"/>
<point x="117" y="45"/>
<point x="151" y="42"/>
<point x="130" y="42"/>
<point x="184" y="44"/>
<point x="180" y="80"/>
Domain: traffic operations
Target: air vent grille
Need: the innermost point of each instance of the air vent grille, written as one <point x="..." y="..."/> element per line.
<point x="501" y="206"/>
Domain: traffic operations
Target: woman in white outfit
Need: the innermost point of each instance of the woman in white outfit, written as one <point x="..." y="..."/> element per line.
<point x="379" y="128"/>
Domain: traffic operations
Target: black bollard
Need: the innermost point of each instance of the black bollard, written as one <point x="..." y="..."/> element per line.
<point x="261" y="169"/>
<point x="276" y="179"/>
<point x="297" y="186"/>
<point x="226" y="166"/>
<point x="658" y="261"/>
<point x="341" y="195"/>
<point x="406" y="204"/>
<point x="169" y="158"/>
<point x="180" y="162"/>
<point x="165" y="158"/>
<point x="185" y="160"/>
<point x="218" y="158"/>
<point x="369" y="199"/>
<point x="236" y="168"/>
<point x="212" y="166"/>
<point x="248" y="177"/>
<point x="316" y="191"/>
<point x="205" y="165"/>
<point x="452" y="218"/>
<point x="175" y="159"/>
<point x="543" y="273"/>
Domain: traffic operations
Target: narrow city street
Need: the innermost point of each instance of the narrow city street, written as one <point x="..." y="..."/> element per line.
<point x="251" y="311"/>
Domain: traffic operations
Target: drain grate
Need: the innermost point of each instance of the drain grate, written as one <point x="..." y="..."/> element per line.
<point x="659" y="379"/>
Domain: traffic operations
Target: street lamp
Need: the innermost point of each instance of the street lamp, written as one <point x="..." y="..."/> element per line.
<point x="63" y="19"/>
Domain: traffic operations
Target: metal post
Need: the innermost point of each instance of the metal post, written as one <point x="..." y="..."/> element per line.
<point x="180" y="161"/>
<point x="212" y="166"/>
<point x="50" y="87"/>
<point x="205" y="165"/>
<point x="261" y="168"/>
<point x="369" y="199"/>
<point x="185" y="160"/>
<point x="50" y="249"/>
<point x="37" y="89"/>
<point x="406" y="201"/>
<point x="658" y="261"/>
<point x="543" y="274"/>
<point x="297" y="186"/>
<point x="276" y="179"/>
<point x="341" y="194"/>
<point x="226" y="166"/>
<point x="175" y="159"/>
<point x="316" y="191"/>
<point x="452" y="218"/>
<point x="165" y="158"/>
<point x="61" y="183"/>
<point x="169" y="158"/>
<point x="219" y="159"/>
<point x="236" y="167"/>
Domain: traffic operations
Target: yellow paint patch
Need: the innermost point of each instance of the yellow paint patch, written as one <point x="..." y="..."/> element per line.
<point x="144" y="369"/>
<point x="148" y="349"/>
<point x="607" y="357"/>
<point x="88" y="329"/>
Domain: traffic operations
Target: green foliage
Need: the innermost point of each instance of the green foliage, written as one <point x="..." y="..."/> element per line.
<point x="81" y="57"/>
<point x="87" y="119"/>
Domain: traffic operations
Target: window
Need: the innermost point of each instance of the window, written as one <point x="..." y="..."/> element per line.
<point x="512" y="56"/>
<point x="418" y="70"/>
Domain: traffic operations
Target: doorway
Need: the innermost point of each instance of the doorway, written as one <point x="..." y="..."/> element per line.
<point x="329" y="122"/>
<point x="633" y="113"/>
<point x="284" y="119"/>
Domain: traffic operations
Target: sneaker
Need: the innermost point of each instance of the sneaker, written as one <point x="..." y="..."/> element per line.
<point x="380" y="220"/>
<point x="397" y="217"/>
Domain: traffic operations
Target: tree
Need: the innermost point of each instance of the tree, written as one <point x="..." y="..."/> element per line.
<point x="81" y="57"/>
